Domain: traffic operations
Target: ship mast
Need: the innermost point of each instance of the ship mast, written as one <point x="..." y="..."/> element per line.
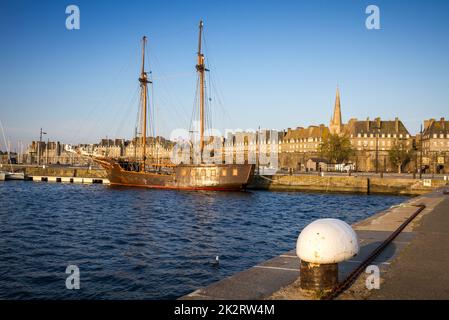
<point x="200" y="67"/>
<point x="143" y="88"/>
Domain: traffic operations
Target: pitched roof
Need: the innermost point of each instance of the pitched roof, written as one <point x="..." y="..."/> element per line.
<point x="336" y="117"/>
<point x="437" y="127"/>
<point x="355" y="127"/>
<point x="309" y="132"/>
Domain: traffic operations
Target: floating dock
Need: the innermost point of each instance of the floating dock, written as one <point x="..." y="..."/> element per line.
<point x="69" y="179"/>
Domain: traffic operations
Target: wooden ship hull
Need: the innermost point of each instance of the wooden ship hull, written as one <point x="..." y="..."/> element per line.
<point x="219" y="177"/>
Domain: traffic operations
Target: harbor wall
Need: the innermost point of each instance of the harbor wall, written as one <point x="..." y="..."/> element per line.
<point x="305" y="183"/>
<point x="349" y="184"/>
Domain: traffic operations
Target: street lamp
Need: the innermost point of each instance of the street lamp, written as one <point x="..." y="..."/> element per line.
<point x="46" y="149"/>
<point x="39" y="147"/>
<point x="377" y="149"/>
<point x="420" y="154"/>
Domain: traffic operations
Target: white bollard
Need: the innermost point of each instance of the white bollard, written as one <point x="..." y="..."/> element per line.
<point x="321" y="246"/>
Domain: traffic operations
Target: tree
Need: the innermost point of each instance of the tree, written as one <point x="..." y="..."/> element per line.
<point x="336" y="148"/>
<point x="399" y="154"/>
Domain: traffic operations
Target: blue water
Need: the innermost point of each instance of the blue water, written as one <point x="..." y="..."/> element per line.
<point x="149" y="244"/>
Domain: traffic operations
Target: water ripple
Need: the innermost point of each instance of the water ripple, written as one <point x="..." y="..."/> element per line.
<point x="149" y="244"/>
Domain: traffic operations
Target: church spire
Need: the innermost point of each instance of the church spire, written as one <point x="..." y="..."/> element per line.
<point x="336" y="123"/>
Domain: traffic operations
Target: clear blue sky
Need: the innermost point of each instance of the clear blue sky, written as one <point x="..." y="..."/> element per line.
<point x="276" y="64"/>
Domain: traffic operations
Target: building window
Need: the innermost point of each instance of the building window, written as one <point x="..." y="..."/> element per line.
<point x="235" y="172"/>
<point x="203" y="172"/>
<point x="224" y="172"/>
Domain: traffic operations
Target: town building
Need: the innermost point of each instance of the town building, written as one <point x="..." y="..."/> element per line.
<point x="435" y="146"/>
<point x="299" y="145"/>
<point x="249" y="146"/>
<point x="373" y="139"/>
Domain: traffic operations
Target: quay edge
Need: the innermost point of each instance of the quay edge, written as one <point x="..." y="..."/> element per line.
<point x="347" y="184"/>
<point x="278" y="278"/>
<point x="302" y="183"/>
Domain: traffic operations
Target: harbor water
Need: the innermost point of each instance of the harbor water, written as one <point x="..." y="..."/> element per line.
<point x="131" y="243"/>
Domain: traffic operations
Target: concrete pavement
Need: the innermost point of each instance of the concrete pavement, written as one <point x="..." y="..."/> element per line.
<point x="422" y="270"/>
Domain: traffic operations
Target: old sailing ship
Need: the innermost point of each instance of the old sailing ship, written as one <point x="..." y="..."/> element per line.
<point x="200" y="176"/>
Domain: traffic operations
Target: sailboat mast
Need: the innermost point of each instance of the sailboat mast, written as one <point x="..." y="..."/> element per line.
<point x="143" y="87"/>
<point x="201" y="69"/>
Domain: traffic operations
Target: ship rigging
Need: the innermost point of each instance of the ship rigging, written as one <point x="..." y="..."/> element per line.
<point x="194" y="176"/>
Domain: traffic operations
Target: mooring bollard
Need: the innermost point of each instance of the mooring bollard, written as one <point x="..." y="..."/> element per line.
<point x="321" y="246"/>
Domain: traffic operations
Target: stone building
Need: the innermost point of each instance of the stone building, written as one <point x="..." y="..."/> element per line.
<point x="246" y="146"/>
<point x="435" y="144"/>
<point x="300" y="144"/>
<point x="336" y="124"/>
<point x="52" y="153"/>
<point x="157" y="149"/>
<point x="372" y="140"/>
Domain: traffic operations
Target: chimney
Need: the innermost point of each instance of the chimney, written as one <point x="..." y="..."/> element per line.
<point x="378" y="123"/>
<point x="443" y="126"/>
<point x="396" y="124"/>
<point x="367" y="124"/>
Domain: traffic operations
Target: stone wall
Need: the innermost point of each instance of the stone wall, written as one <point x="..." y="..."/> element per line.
<point x="65" y="172"/>
<point x="348" y="184"/>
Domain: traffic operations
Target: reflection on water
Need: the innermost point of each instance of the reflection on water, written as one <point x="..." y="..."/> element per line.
<point x="149" y="244"/>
